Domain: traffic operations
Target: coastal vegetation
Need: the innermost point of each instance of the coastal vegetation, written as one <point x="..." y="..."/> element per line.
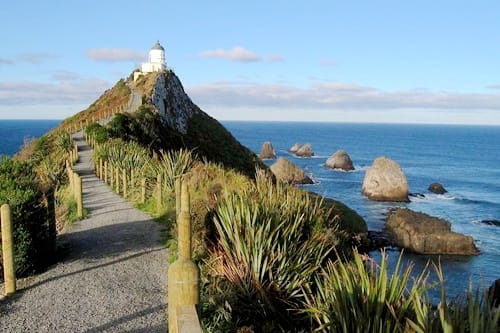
<point x="273" y="257"/>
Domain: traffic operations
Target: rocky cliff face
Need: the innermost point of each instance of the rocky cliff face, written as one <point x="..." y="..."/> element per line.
<point x="173" y="104"/>
<point x="185" y="125"/>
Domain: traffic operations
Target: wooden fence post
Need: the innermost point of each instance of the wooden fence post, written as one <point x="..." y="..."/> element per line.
<point x="124" y="176"/>
<point x="111" y="176"/>
<point x="105" y="172"/>
<point x="78" y="196"/>
<point x="158" y="194"/>
<point x="177" y="196"/>
<point x="100" y="168"/>
<point x="132" y="180"/>
<point x="143" y="190"/>
<point x="183" y="274"/>
<point x="117" y="180"/>
<point x="9" y="274"/>
<point x="70" y="176"/>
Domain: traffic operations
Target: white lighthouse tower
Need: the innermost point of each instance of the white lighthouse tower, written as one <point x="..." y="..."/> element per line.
<point x="156" y="61"/>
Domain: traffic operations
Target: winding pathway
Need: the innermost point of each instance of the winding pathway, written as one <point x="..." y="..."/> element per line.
<point x="111" y="278"/>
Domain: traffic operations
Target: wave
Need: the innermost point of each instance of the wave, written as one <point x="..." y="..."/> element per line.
<point x="357" y="168"/>
<point x="477" y="202"/>
<point x="449" y="197"/>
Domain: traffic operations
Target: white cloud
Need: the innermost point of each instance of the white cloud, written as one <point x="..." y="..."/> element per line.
<point x="31" y="58"/>
<point x="5" y="61"/>
<point x="237" y="53"/>
<point x="334" y="95"/>
<point x="115" y="55"/>
<point x="35" y="58"/>
<point x="70" y="91"/>
<point x="327" y="62"/>
<point x="63" y="75"/>
<point x="274" y="58"/>
<point x="494" y="87"/>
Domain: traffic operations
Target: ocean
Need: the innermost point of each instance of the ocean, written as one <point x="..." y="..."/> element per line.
<point x="13" y="133"/>
<point x="465" y="159"/>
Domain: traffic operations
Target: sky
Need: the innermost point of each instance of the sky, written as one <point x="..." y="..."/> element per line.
<point x="337" y="61"/>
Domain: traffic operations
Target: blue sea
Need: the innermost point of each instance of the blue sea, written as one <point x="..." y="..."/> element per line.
<point x="465" y="159"/>
<point x="13" y="133"/>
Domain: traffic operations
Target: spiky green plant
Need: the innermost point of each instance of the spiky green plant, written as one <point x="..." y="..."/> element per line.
<point x="64" y="142"/>
<point x="363" y="297"/>
<point x="267" y="248"/>
<point x="175" y="163"/>
<point x="472" y="313"/>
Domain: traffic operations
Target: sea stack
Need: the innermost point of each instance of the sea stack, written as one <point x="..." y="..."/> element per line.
<point x="267" y="151"/>
<point x="287" y="172"/>
<point x="385" y="181"/>
<point x="437" y="188"/>
<point x="305" y="151"/>
<point x="293" y="149"/>
<point x="340" y="160"/>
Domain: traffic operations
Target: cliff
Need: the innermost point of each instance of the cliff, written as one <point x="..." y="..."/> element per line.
<point x="184" y="125"/>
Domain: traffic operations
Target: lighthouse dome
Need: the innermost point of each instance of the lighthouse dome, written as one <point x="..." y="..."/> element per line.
<point x="157" y="46"/>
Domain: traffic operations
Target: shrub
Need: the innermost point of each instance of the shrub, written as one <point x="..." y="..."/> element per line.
<point x="33" y="222"/>
<point x="268" y="245"/>
<point x="98" y="132"/>
<point x="356" y="297"/>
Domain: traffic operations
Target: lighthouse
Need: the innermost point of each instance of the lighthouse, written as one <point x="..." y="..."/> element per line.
<point x="156" y="61"/>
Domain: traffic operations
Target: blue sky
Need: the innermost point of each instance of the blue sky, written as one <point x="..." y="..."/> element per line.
<point x="342" y="61"/>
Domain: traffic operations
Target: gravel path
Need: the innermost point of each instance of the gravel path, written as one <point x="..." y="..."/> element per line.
<point x="112" y="277"/>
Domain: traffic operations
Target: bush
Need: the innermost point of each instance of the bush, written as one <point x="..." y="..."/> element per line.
<point x="269" y="244"/>
<point x="361" y="296"/>
<point x="98" y="132"/>
<point x="33" y="221"/>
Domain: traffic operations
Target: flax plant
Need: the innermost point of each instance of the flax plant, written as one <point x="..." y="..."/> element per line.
<point x="472" y="313"/>
<point x="175" y="163"/>
<point x="267" y="249"/>
<point x="360" y="297"/>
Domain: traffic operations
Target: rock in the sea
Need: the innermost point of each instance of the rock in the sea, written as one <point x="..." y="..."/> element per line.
<point x="424" y="234"/>
<point x="287" y="172"/>
<point x="305" y="151"/>
<point x="267" y="150"/>
<point x="293" y="149"/>
<point x="491" y="222"/>
<point x="385" y="181"/>
<point x="494" y="293"/>
<point x="437" y="188"/>
<point x="340" y="160"/>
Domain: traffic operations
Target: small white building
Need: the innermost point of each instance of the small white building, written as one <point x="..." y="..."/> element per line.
<point x="156" y="61"/>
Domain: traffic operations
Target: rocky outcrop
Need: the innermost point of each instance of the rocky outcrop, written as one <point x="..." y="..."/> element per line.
<point x="184" y="125"/>
<point x="267" y="151"/>
<point x="287" y="172"/>
<point x="305" y="151"/>
<point x="293" y="149"/>
<point x="424" y="234"/>
<point x="491" y="222"/>
<point x="385" y="181"/>
<point x="340" y="160"/>
<point x="173" y="104"/>
<point x="494" y="294"/>
<point x="437" y="188"/>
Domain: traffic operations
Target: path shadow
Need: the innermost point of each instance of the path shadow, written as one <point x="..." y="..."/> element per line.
<point x="123" y="320"/>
